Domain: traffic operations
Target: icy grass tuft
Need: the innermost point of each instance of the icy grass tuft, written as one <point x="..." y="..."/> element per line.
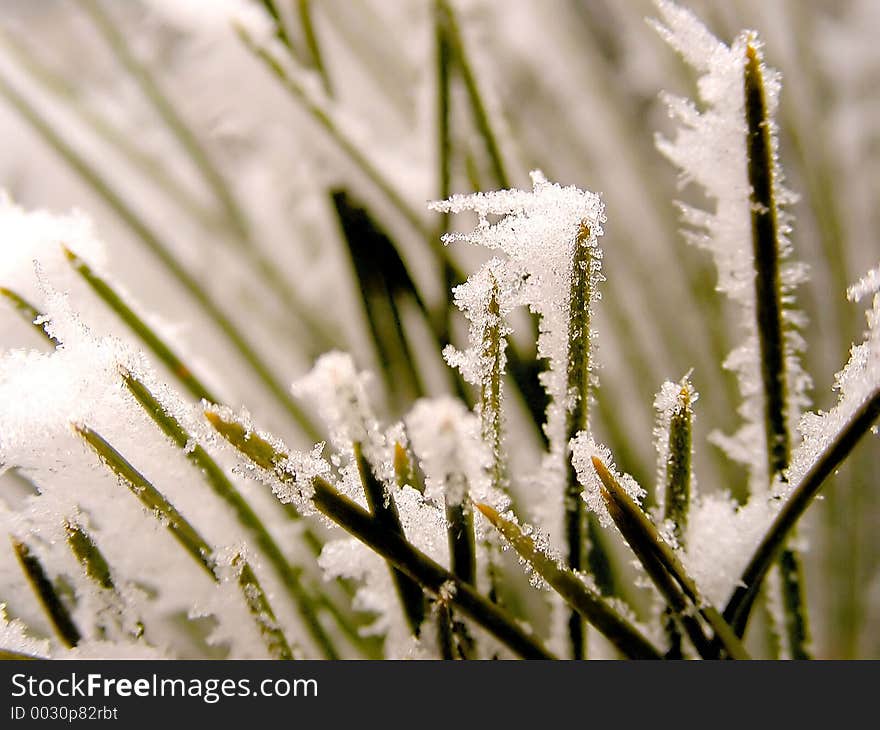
<point x="710" y="150"/>
<point x="583" y="449"/>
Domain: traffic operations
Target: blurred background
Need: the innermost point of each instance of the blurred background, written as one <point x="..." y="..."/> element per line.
<point x="259" y="171"/>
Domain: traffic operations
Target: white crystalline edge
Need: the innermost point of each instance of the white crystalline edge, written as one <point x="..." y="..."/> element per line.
<point x="538" y="231"/>
<point x="583" y="449"/>
<point x="856" y="382"/>
<point x="14" y="637"/>
<point x="710" y="149"/>
<point x="668" y="403"/>
<point x="446" y="439"/>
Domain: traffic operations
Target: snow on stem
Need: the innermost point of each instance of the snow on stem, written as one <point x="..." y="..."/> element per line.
<point x="570" y="586"/>
<point x="62" y="622"/>
<point x="659" y="559"/>
<point x="190" y="540"/>
<point x="393" y="547"/>
<point x="214" y="475"/>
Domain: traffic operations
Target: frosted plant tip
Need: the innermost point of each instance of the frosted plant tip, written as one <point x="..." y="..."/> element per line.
<point x="488" y="512"/>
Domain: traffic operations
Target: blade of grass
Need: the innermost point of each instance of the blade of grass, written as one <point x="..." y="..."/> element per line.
<point x="188" y="538"/>
<point x="214" y="475"/>
<point x="304" y="11"/>
<point x="588" y="603"/>
<point x="739" y="606"/>
<point x="62" y="622"/>
<point x="387" y="544"/>
<point x="62" y="89"/>
<point x="481" y="115"/>
<point x="768" y="311"/>
<point x="29" y="313"/>
<point x="647" y="544"/>
<point x="384" y="510"/>
<point x="141" y="329"/>
<point x="97" y="568"/>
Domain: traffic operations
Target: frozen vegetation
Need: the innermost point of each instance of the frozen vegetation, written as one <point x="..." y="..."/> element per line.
<point x="271" y="387"/>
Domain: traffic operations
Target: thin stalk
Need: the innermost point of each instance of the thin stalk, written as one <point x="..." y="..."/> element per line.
<point x="62" y="622"/>
<point x="384" y="509"/>
<point x="29" y="313"/>
<point x="214" y="475"/>
<point x="261" y="610"/>
<point x="481" y="115"/>
<point x="389" y="545"/>
<point x="771" y="546"/>
<point x="404" y="471"/>
<point x="188" y="140"/>
<point x="97" y="569"/>
<point x="768" y="310"/>
<point x="677" y="500"/>
<point x="141" y="329"/>
<point x="676" y="503"/>
<point x="653" y="551"/>
<point x="304" y="10"/>
<point x="189" y="539"/>
<point x="160" y="250"/>
<point x="578" y="373"/>
<point x="587" y="602"/>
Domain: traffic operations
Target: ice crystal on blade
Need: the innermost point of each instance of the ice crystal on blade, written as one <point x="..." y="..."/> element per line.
<point x="858" y="381"/>
<point x="710" y="148"/>
<point x="583" y="449"/>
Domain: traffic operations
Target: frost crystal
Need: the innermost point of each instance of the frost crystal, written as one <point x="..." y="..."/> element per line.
<point x="583" y="449"/>
<point x="710" y="149"/>
<point x="858" y="381"/>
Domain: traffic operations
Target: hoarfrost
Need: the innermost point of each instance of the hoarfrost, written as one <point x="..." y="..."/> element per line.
<point x="710" y="149"/>
<point x="583" y="449"/>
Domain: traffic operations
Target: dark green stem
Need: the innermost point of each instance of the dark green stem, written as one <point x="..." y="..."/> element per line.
<point x="60" y="618"/>
<point x="388" y="544"/>
<point x="739" y="606"/>
<point x="384" y="509"/>
<point x="214" y="475"/>
<point x="29" y="313"/>
<point x="768" y="311"/>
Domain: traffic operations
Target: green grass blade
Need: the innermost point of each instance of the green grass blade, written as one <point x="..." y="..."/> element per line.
<point x="146" y="334"/>
<point x="89" y="556"/>
<point x="588" y="603"/>
<point x="384" y="510"/>
<point x="182" y="531"/>
<point x="739" y="606"/>
<point x="214" y="475"/>
<point x="160" y="250"/>
<point x="62" y="622"/>
<point x="29" y="313"/>
<point x="653" y="551"/>
<point x="261" y="611"/>
<point x="771" y="337"/>
<point x="389" y="545"/>
<point x="152" y="499"/>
